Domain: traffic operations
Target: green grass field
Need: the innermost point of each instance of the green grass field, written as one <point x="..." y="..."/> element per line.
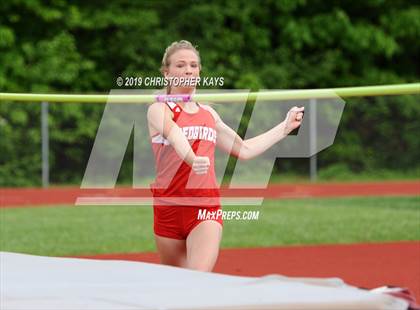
<point x="79" y="230"/>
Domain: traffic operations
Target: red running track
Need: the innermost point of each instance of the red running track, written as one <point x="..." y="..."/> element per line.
<point x="15" y="197"/>
<point x="363" y="265"/>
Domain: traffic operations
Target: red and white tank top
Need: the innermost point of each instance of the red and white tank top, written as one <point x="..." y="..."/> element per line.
<point x="176" y="183"/>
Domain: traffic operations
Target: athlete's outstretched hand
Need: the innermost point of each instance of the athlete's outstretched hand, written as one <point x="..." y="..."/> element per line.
<point x="201" y="164"/>
<point x="293" y="119"/>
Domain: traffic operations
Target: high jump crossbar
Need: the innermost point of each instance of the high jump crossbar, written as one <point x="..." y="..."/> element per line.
<point x="378" y="90"/>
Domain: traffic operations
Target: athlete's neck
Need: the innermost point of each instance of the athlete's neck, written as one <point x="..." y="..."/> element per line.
<point x="182" y="91"/>
<point x="190" y="106"/>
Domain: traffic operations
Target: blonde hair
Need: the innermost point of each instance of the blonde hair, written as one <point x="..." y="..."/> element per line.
<point x="174" y="47"/>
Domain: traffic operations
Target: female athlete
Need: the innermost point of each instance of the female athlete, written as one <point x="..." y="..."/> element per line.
<point x="183" y="137"/>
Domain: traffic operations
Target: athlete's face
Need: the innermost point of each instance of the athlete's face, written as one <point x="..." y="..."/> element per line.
<point x="183" y="63"/>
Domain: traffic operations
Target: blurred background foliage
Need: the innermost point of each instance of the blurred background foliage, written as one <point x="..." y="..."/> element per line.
<point x="83" y="46"/>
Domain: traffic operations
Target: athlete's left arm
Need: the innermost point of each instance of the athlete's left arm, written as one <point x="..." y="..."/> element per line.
<point x="229" y="141"/>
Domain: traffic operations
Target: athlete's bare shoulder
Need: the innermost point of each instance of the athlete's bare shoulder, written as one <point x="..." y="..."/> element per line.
<point x="157" y="108"/>
<point x="158" y="116"/>
<point x="157" y="105"/>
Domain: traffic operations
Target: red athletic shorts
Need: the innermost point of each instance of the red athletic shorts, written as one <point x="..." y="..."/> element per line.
<point x="176" y="222"/>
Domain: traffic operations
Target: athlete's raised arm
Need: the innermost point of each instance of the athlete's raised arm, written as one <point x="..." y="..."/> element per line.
<point x="159" y="117"/>
<point x="229" y="141"/>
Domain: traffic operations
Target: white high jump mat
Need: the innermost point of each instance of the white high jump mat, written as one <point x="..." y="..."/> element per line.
<point x="38" y="282"/>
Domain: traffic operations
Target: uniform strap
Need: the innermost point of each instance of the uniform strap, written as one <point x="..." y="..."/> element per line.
<point x="175" y="108"/>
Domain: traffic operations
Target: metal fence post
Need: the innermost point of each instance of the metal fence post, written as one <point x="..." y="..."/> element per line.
<point x="313" y="170"/>
<point x="45" y="144"/>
